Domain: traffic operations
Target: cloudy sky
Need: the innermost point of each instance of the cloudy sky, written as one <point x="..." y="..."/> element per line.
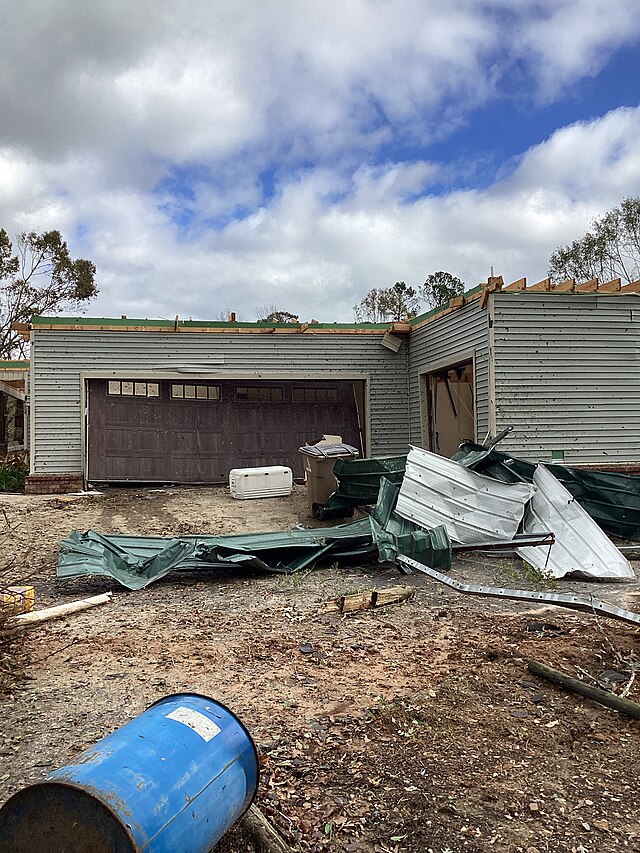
<point x="213" y="155"/>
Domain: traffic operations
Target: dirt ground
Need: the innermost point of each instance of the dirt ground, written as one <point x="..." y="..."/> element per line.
<point x="415" y="727"/>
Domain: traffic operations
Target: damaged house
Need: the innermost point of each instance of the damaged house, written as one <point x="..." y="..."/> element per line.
<point x="185" y="401"/>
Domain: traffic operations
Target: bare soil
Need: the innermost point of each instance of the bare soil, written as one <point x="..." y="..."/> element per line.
<point x="416" y="727"/>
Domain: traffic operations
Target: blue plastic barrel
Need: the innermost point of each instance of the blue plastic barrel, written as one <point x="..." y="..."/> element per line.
<point x="171" y="781"/>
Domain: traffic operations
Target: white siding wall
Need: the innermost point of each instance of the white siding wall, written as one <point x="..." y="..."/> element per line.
<point x="568" y="375"/>
<point x="59" y="357"/>
<point x="449" y="339"/>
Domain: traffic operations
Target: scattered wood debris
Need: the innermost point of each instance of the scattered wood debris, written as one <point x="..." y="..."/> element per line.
<point x="36" y="617"/>
<point x="370" y="598"/>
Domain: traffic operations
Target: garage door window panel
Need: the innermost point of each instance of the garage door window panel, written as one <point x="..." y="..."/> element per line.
<point x="186" y="391"/>
<point x="316" y="395"/>
<point x="260" y="393"/>
<point x="132" y="388"/>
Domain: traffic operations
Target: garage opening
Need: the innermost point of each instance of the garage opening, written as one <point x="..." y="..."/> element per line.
<point x="450" y="411"/>
<point x="11" y="420"/>
<point x="195" y="430"/>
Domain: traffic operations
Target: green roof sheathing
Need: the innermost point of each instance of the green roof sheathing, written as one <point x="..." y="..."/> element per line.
<point x="130" y="322"/>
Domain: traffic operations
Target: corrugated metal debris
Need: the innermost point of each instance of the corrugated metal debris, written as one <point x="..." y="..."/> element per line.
<point x="136" y="561"/>
<point x="359" y="483"/>
<point x="611" y="499"/>
<point x="435" y="501"/>
<point x="581" y="548"/>
<point x="473" y="508"/>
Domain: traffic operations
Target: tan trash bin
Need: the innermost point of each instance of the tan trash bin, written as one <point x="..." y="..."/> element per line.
<point x="319" y="460"/>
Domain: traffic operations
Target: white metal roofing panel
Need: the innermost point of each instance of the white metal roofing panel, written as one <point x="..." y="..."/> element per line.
<point x="580" y="546"/>
<point x="472" y="507"/>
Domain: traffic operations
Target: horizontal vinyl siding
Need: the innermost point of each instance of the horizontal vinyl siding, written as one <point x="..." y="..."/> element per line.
<point x="568" y="376"/>
<point x="450" y="338"/>
<point x="60" y="357"/>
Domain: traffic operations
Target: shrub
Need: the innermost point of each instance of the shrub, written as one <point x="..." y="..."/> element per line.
<point x="13" y="473"/>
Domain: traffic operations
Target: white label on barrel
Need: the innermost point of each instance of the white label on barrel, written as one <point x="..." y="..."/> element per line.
<point x="200" y="724"/>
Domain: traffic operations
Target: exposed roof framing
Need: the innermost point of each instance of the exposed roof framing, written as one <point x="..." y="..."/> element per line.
<point x="494" y="284"/>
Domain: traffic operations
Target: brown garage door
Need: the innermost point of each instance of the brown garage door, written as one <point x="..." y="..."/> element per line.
<point x="196" y="431"/>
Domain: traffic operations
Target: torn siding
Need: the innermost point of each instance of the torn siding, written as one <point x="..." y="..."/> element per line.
<point x="568" y="376"/>
<point x="61" y="356"/>
<point x="447" y="340"/>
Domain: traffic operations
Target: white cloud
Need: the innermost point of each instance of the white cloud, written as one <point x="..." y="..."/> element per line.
<point x="596" y="160"/>
<point x="325" y="239"/>
<point x="575" y="38"/>
<point x="199" y="80"/>
<point x="107" y="107"/>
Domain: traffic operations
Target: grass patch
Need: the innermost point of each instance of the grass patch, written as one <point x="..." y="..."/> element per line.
<point x="537" y="577"/>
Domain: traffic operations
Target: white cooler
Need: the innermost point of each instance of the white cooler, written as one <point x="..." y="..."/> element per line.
<point x="272" y="481"/>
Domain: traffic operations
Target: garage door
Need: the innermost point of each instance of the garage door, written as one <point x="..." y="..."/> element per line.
<point x="196" y="431"/>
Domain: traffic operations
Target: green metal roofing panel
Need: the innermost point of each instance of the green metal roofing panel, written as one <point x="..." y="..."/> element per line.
<point x="99" y="321"/>
<point x="14" y="365"/>
<point x="135" y="323"/>
<point x="136" y="561"/>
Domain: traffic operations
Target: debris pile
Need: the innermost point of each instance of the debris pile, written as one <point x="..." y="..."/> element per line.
<point x="136" y="561"/>
<point x="611" y="499"/>
<point x="426" y="507"/>
<point x="476" y="508"/>
<point x="473" y="508"/>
